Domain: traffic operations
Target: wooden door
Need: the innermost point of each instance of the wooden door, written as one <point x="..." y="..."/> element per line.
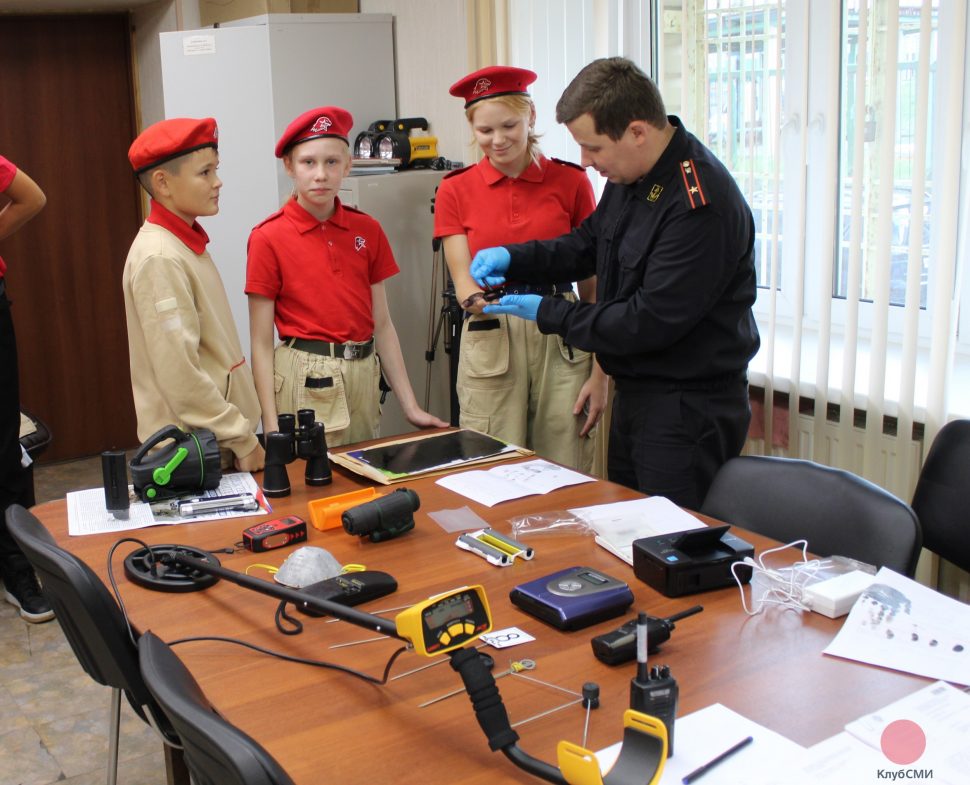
<point x="67" y="119"/>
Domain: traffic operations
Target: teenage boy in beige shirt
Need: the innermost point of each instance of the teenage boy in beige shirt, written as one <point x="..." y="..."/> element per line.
<point x="187" y="365"/>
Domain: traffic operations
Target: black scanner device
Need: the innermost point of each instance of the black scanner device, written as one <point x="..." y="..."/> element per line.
<point x="692" y="561"/>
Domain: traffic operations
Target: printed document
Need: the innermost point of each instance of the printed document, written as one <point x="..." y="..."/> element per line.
<point x="87" y="513"/>
<point x="511" y="481"/>
<point x="618" y="524"/>
<point x="900" y="624"/>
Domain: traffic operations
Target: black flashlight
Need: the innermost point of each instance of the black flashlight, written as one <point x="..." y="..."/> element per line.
<point x="383" y="518"/>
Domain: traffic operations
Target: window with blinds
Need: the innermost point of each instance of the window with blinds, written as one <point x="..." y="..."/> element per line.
<point x="842" y="121"/>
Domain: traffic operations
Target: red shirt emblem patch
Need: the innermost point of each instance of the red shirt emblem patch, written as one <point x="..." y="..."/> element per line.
<point x="359" y="242"/>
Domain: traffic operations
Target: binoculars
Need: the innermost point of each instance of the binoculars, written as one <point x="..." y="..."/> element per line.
<point x="383" y="518"/>
<point x="298" y="437"/>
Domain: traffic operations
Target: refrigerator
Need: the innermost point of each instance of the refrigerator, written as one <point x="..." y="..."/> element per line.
<point x="402" y="203"/>
<point x="254" y="76"/>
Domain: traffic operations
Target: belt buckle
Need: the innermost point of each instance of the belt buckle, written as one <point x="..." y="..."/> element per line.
<point x="353" y="351"/>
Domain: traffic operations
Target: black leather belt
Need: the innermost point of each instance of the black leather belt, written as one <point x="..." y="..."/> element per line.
<point x="342" y="351"/>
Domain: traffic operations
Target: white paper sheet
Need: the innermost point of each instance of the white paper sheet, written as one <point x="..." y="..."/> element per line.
<point x="852" y="757"/>
<point x="511" y="481"/>
<point x="701" y="736"/>
<point x="87" y="513"/>
<point x="839" y="760"/>
<point x="898" y="623"/>
<point x="942" y="713"/>
<point x="618" y="524"/>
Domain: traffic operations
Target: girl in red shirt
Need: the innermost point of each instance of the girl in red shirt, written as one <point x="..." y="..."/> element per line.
<point x="513" y="382"/>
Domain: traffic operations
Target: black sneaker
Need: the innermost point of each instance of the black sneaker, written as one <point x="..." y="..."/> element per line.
<point x="22" y="591"/>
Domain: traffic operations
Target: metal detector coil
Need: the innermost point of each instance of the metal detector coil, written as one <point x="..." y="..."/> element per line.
<point x="155" y="568"/>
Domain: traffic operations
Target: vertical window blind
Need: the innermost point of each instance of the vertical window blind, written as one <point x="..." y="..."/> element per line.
<point x="842" y="121"/>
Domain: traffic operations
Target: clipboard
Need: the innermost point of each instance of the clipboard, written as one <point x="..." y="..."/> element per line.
<point x="426" y="455"/>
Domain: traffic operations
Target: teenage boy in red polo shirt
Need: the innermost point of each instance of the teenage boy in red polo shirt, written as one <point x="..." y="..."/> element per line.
<point x="187" y="366"/>
<point x="316" y="269"/>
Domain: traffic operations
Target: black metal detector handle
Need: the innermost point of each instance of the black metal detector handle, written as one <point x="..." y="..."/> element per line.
<point x="492" y="716"/>
<point x="360" y="618"/>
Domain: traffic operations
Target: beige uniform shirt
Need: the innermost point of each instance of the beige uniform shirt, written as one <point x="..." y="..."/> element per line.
<point x="187" y="366"/>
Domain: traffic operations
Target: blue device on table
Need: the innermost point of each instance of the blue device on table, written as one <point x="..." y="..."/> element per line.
<point x="573" y="598"/>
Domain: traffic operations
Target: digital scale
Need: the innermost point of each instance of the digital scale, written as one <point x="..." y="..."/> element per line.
<point x="573" y="598"/>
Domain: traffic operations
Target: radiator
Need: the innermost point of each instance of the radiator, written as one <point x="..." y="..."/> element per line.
<point x="895" y="468"/>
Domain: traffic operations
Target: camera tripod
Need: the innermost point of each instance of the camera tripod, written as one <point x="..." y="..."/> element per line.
<point x="447" y="321"/>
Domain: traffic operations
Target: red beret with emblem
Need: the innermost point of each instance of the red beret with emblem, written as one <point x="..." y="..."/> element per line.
<point x="170" y="139"/>
<point x="492" y="81"/>
<point x="316" y="123"/>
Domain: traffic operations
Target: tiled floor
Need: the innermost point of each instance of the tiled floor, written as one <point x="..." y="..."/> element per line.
<point x="54" y="717"/>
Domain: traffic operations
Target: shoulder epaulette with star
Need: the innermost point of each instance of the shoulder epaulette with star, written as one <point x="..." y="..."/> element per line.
<point x="568" y="163"/>
<point x="695" y="191"/>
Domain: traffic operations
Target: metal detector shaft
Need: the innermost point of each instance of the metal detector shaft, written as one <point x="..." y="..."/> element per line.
<point x="366" y="620"/>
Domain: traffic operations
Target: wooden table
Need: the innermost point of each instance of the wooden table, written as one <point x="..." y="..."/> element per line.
<point x="323" y="726"/>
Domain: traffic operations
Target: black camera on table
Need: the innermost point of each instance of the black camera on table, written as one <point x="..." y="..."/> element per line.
<point x="383" y="518"/>
<point x="300" y="436"/>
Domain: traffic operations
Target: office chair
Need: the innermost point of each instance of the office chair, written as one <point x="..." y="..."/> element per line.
<point x="942" y="496"/>
<point x="838" y="512"/>
<point x="96" y="631"/>
<point x="216" y="752"/>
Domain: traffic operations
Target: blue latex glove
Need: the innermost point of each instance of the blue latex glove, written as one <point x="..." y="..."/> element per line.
<point x="525" y="306"/>
<point x="490" y="265"/>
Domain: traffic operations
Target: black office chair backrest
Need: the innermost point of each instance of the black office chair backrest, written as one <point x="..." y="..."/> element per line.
<point x="89" y="616"/>
<point x="216" y="752"/>
<point x="942" y="497"/>
<point x="838" y="512"/>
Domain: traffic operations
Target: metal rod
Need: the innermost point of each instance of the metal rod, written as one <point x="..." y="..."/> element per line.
<point x="356" y="643"/>
<point x="425" y="667"/>
<point x="380" y="610"/>
<point x="367" y="620"/>
<point x="546" y="713"/>
<point x="547" y="684"/>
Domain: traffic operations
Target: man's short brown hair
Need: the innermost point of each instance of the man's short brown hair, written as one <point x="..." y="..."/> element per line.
<point x="615" y="93"/>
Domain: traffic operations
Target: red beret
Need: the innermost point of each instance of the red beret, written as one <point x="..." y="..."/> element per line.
<point x="322" y="121"/>
<point x="492" y="81"/>
<point x="169" y="139"/>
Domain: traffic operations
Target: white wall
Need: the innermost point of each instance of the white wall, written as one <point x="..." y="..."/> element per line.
<point x="147" y="22"/>
<point x="431" y="53"/>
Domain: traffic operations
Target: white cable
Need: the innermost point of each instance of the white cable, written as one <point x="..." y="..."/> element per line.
<point x="784" y="586"/>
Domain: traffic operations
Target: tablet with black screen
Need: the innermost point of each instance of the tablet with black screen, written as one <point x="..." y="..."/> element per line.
<point x="439" y="450"/>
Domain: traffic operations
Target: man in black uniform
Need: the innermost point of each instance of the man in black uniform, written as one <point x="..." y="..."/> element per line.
<point x="672" y="246"/>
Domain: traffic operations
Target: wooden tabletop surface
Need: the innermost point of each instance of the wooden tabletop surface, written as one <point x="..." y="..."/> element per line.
<point x="325" y="726"/>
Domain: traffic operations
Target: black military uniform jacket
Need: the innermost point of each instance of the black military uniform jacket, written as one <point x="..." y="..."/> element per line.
<point x="674" y="260"/>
